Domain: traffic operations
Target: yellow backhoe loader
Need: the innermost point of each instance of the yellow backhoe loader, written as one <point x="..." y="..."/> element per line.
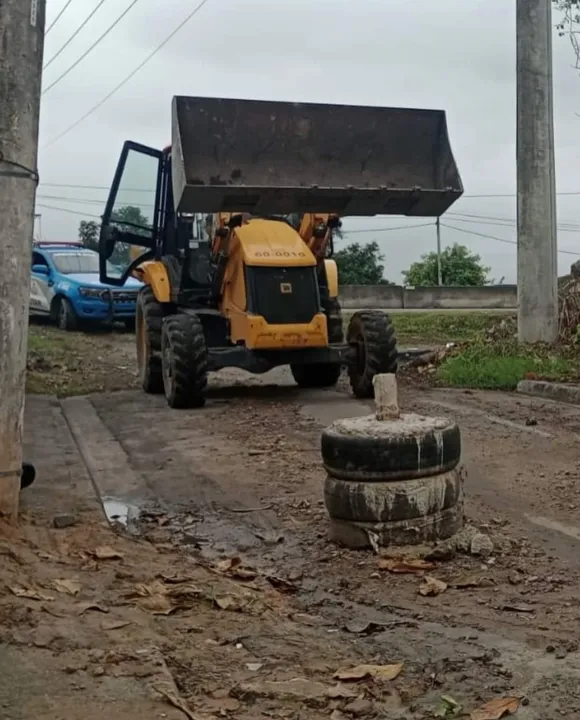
<point x="235" y="241"/>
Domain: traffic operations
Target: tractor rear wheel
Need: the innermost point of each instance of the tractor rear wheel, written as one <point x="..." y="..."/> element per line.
<point x="371" y="336"/>
<point x="320" y="375"/>
<point x="184" y="361"/>
<point x="148" y="320"/>
<point x="323" y="375"/>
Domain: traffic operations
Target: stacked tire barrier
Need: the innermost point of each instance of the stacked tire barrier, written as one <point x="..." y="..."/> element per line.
<point x="396" y="479"/>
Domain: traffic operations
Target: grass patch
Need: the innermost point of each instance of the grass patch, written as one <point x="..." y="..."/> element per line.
<point x="438" y="328"/>
<point x="66" y="364"/>
<point x="501" y="365"/>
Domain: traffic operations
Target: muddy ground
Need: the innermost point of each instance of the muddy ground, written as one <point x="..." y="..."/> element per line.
<point x="230" y="598"/>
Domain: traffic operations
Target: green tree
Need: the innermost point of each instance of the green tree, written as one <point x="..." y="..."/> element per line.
<point x="128" y="219"/>
<point x="459" y="266"/>
<point x="89" y="234"/>
<point x="360" y="265"/>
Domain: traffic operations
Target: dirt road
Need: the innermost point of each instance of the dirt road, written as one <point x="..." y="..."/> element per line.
<point x="239" y="485"/>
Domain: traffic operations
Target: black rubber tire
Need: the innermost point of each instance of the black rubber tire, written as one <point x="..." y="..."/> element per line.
<point x="184" y="361"/>
<point x="317" y="375"/>
<point x="372" y="335"/>
<point x="428" y="529"/>
<point x="323" y="375"/>
<point x="148" y="321"/>
<point x="334" y="319"/>
<point x="27" y="476"/>
<point x="392" y="501"/>
<point x="66" y="317"/>
<point x="401" y="450"/>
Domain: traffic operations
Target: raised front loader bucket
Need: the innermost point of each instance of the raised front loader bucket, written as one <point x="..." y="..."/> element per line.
<point x="278" y="157"/>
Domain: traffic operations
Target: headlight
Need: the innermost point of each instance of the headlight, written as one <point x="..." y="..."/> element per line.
<point x="91" y="292"/>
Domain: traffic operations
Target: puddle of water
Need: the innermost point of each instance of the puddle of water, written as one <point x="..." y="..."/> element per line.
<point x="120" y="512"/>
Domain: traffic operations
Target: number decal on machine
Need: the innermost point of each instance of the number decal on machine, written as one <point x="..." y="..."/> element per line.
<point x="281" y="253"/>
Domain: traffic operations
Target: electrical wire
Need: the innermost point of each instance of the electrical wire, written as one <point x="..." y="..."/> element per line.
<point x="511" y="195"/>
<point x="132" y="74"/>
<point x="386" y="229"/>
<point x="67" y="210"/>
<point x="92" y="47"/>
<point x="57" y="18"/>
<point x="73" y="36"/>
<point x="501" y="240"/>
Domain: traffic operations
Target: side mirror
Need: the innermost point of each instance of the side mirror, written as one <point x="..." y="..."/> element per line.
<point x="40" y="269"/>
<point x="108" y="240"/>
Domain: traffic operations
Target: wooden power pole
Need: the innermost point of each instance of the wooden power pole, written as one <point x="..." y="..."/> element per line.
<point x="21" y="50"/>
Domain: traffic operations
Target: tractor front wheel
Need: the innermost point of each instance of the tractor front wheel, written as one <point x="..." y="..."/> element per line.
<point x="371" y="336"/>
<point x="184" y="361"/>
<point x="148" y="319"/>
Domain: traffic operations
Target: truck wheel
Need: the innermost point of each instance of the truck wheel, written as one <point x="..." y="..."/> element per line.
<point x="148" y="319"/>
<point x="184" y="361"/>
<point x="66" y="316"/>
<point x="372" y="337"/>
<point x="319" y="375"/>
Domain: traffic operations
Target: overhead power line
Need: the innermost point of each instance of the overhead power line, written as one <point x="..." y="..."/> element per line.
<point x="57" y="18"/>
<point x="68" y="210"/>
<point x="73" y="36"/>
<point x="497" y="239"/>
<point x="92" y="47"/>
<point x="511" y="195"/>
<point x="132" y="74"/>
<point x="387" y="229"/>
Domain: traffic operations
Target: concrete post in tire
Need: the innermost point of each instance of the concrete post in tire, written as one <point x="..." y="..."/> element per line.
<point x="393" y="478"/>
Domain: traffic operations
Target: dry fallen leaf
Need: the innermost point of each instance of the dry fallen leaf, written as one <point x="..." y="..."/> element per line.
<point x="361" y="672"/>
<point x="340" y="692"/>
<point x="228" y="602"/>
<point x="115" y="624"/>
<point x="105" y="552"/>
<point x="448" y="707"/>
<point x="281" y="585"/>
<point x="497" y="709"/>
<point x="67" y="587"/>
<point x="86" y="606"/>
<point x="226" y="565"/>
<point x="185" y="593"/>
<point x="243" y="573"/>
<point x="158" y="605"/>
<point x="430" y="587"/>
<point x="405" y="567"/>
<point x="29" y="593"/>
<point x="177" y="702"/>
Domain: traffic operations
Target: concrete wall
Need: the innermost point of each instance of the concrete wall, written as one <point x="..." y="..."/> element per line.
<point x="394" y="297"/>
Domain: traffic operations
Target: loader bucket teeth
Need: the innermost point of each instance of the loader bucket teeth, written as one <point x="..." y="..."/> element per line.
<point x="278" y="157"/>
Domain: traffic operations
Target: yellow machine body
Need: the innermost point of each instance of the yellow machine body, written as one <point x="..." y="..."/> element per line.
<point x="267" y="243"/>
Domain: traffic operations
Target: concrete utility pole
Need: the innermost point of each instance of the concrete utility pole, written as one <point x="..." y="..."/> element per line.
<point x="537" y="241"/>
<point x="21" y="49"/>
<point x="439" y="272"/>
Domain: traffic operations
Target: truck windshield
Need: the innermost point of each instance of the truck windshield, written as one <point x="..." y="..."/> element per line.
<point x="69" y="263"/>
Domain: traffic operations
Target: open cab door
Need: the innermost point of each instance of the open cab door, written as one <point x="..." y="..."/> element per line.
<point x="131" y="221"/>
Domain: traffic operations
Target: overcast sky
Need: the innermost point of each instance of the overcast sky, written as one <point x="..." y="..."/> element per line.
<point x="456" y="55"/>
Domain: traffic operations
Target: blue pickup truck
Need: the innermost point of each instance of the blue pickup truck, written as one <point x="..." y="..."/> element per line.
<point x="65" y="286"/>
